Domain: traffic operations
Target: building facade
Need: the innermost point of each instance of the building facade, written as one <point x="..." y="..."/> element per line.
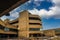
<point x="52" y="32"/>
<point x="26" y="26"/>
<point x="49" y="33"/>
<point x="29" y="25"/>
<point x="7" y="30"/>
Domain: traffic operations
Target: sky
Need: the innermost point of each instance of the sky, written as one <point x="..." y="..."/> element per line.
<point x="48" y="10"/>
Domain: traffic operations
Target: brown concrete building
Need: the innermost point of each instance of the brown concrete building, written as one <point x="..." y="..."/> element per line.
<point x="29" y="25"/>
<point x="52" y="32"/>
<point x="14" y="22"/>
<point x="7" y="30"/>
<point x="26" y="26"/>
<point x="57" y="31"/>
<point x="49" y="33"/>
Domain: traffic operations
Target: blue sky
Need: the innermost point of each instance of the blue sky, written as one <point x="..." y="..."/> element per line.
<point x="48" y="10"/>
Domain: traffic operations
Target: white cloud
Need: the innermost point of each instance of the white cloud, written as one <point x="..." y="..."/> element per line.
<point x="4" y="17"/>
<point x="29" y="1"/>
<point x="34" y="11"/>
<point x="56" y="1"/>
<point x="41" y="13"/>
<point x="14" y="14"/>
<point x="53" y="12"/>
<point x="36" y="2"/>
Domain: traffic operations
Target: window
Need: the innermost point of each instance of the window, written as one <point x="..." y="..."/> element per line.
<point x="35" y="35"/>
<point x="58" y="34"/>
<point x="3" y="35"/>
<point x="2" y="27"/>
<point x="34" y="18"/>
<point x="14" y="22"/>
<point x="35" y="24"/>
<point x="14" y="30"/>
<point x="6" y="29"/>
<point x="13" y="35"/>
<point x="34" y="29"/>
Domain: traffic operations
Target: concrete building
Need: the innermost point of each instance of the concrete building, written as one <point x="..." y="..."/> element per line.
<point x="49" y="33"/>
<point x="7" y="30"/>
<point x="52" y="32"/>
<point x="29" y="25"/>
<point x="26" y="26"/>
<point x="57" y="31"/>
<point x="14" y="22"/>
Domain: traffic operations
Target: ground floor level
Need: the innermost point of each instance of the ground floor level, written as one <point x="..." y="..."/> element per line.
<point x="8" y="35"/>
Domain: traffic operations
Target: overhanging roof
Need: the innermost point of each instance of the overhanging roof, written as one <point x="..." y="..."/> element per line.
<point x="8" y="5"/>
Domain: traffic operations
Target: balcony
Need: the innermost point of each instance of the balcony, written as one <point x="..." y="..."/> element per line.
<point x="34" y="18"/>
<point x="35" y="31"/>
<point x="7" y="32"/>
<point x="35" y="26"/>
<point x="34" y="21"/>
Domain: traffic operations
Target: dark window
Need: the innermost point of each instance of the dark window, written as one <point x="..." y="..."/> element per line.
<point x="35" y="35"/>
<point x="2" y="27"/>
<point x="14" y="22"/>
<point x="35" y="24"/>
<point x="34" y="29"/>
<point x="3" y="35"/>
<point x="43" y="35"/>
<point x="34" y="18"/>
<point x="58" y="34"/>
<point x="13" y="35"/>
<point x="8" y="35"/>
<point x="8" y="29"/>
<point x="14" y="30"/>
<point x="17" y="26"/>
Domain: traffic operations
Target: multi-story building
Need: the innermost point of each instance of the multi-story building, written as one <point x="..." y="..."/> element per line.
<point x="7" y="30"/>
<point x="14" y="22"/>
<point x="29" y="25"/>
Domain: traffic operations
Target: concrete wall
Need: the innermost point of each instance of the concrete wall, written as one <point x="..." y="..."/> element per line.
<point x="49" y="33"/>
<point x="23" y="24"/>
